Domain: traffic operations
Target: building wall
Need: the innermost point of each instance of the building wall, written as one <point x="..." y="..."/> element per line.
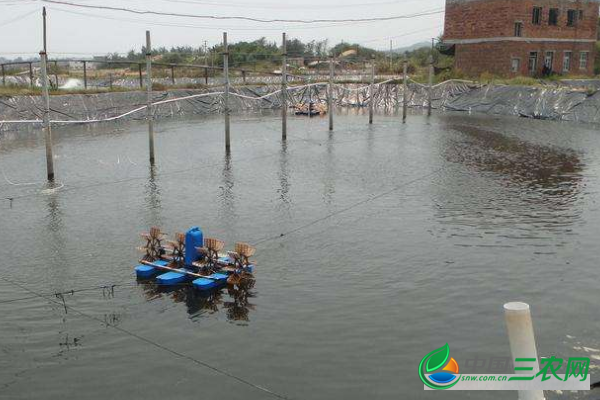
<point x="497" y="58"/>
<point x="496" y="18"/>
<point x="484" y="34"/>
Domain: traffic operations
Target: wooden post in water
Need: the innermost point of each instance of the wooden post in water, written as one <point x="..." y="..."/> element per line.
<point x="173" y="75"/>
<point x="31" y="74"/>
<point x="46" y="116"/>
<point x="149" y="110"/>
<point x="85" y="82"/>
<point x="430" y="86"/>
<point x="309" y="96"/>
<point x="284" y="93"/>
<point x="226" y="96"/>
<point x="206" y="75"/>
<point x="405" y="91"/>
<point x="372" y="91"/>
<point x="3" y="75"/>
<point x="110" y="81"/>
<point x="330" y="93"/>
<point x="244" y="76"/>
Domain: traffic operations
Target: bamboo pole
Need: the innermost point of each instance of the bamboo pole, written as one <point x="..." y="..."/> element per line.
<point x="330" y="93"/>
<point x="284" y="93"/>
<point x="149" y="114"/>
<point x="372" y="91"/>
<point x="46" y="117"/>
<point x="405" y="91"/>
<point x="226" y="97"/>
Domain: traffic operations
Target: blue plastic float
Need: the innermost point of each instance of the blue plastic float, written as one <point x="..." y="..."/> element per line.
<point x="146" y="271"/>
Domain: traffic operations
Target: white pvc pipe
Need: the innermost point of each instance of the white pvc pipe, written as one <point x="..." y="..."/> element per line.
<point x="522" y="343"/>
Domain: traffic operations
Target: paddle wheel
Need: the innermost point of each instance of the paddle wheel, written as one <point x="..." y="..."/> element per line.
<point x="243" y="266"/>
<point x="176" y="248"/>
<point x="210" y="251"/>
<point x="153" y="248"/>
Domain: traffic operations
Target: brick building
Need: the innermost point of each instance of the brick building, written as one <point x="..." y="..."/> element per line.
<point x="522" y="37"/>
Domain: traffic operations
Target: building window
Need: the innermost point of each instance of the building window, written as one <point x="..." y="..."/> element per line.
<point x="571" y="17"/>
<point x="518" y="29"/>
<point x="549" y="62"/>
<point x="583" y="60"/>
<point x="553" y="17"/>
<point x="515" y="65"/>
<point x="533" y="56"/>
<point x="567" y="61"/>
<point x="537" y="16"/>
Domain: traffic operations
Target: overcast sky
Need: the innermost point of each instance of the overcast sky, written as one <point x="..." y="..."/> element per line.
<point x="81" y="31"/>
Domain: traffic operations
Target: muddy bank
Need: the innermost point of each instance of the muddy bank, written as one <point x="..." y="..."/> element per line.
<point x="554" y="103"/>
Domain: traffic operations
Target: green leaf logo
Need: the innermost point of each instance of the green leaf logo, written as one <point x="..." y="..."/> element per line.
<point x="434" y="361"/>
<point x="438" y="358"/>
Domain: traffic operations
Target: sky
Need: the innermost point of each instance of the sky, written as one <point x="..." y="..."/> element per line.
<point x="74" y="31"/>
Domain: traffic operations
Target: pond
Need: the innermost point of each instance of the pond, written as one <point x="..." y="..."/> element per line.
<point x="376" y="245"/>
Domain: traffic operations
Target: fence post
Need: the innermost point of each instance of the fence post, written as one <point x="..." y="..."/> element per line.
<point x="405" y="91"/>
<point x="284" y="94"/>
<point x="206" y="75"/>
<point x="522" y="343"/>
<point x="85" y="82"/>
<point x="173" y="75"/>
<point x="141" y="77"/>
<point x="430" y="87"/>
<point x="149" y="110"/>
<point x="31" y="75"/>
<point x="3" y="76"/>
<point x="46" y="117"/>
<point x="110" y="81"/>
<point x="330" y="93"/>
<point x="56" y="72"/>
<point x="372" y="91"/>
<point x="244" y="76"/>
<point x="226" y="76"/>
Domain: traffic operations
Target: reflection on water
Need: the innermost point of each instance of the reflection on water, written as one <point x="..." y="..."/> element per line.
<point x="556" y="171"/>
<point x="234" y="300"/>
<point x="153" y="199"/>
<point x="531" y="186"/>
<point x="227" y="212"/>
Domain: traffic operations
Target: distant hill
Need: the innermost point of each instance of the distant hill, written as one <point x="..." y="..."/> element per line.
<point x="413" y="47"/>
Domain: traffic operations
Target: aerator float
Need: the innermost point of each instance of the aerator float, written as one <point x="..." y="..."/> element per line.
<point x="191" y="257"/>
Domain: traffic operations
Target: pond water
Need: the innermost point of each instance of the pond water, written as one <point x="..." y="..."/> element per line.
<point x="376" y="245"/>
